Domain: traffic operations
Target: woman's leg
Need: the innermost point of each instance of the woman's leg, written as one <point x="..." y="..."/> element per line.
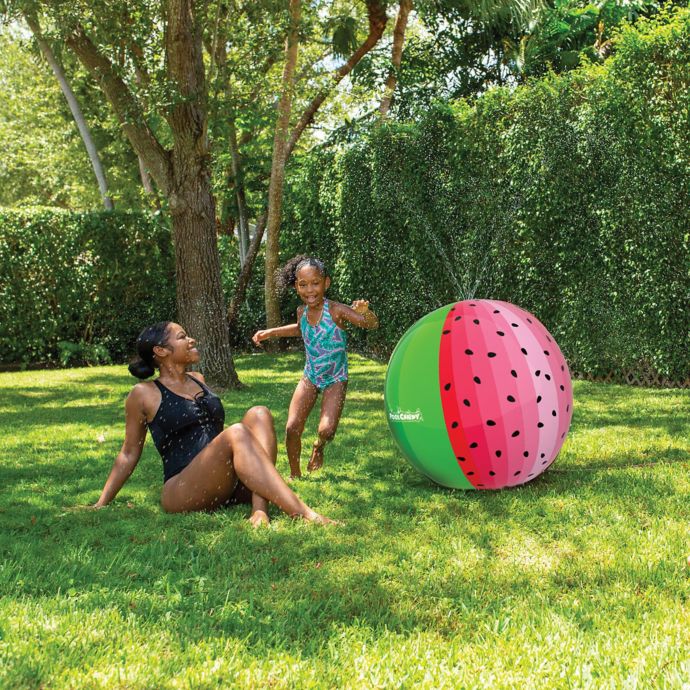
<point x="259" y="421"/>
<point x="211" y="477"/>
<point x="302" y="402"/>
<point x="331" y="409"/>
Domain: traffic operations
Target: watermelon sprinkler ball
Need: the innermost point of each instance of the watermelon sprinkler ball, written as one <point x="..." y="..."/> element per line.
<point x="478" y="395"/>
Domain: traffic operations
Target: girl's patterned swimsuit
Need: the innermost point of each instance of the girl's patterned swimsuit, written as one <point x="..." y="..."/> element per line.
<point x="325" y="346"/>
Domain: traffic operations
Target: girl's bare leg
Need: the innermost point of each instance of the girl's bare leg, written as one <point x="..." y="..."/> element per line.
<point x="301" y="405"/>
<point x="259" y="421"/>
<point x="212" y="476"/>
<point x="331" y="409"/>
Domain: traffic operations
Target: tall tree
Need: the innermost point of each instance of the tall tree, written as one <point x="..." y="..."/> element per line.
<point x="74" y="107"/>
<point x="181" y="171"/>
<point x="396" y="56"/>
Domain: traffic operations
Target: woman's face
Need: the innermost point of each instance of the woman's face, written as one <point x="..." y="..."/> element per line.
<point x="180" y="348"/>
<point x="311" y="285"/>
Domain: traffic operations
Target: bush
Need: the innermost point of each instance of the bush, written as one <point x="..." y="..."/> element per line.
<point x="569" y="196"/>
<point x="78" y="287"/>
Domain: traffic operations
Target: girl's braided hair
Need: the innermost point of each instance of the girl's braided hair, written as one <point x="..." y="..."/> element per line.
<point x="287" y="274"/>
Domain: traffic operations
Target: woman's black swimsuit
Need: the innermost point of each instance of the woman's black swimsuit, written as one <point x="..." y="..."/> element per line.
<point x="182" y="428"/>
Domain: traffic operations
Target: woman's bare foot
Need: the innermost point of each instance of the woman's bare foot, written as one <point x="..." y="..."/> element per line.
<point x="316" y="461"/>
<point x="295" y="472"/>
<point x="259" y="518"/>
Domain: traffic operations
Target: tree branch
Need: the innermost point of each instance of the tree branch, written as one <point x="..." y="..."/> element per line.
<point x="126" y="108"/>
<point x="376" y="11"/>
<point x="396" y="57"/>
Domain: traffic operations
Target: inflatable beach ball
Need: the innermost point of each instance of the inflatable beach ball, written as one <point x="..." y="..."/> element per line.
<point x="478" y="395"/>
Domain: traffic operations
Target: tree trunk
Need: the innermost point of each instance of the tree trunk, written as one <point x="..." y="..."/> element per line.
<point x="77" y="114"/>
<point x="275" y="189"/>
<point x="238" y="176"/>
<point x="396" y="57"/>
<point x="147" y="184"/>
<point x="200" y="302"/>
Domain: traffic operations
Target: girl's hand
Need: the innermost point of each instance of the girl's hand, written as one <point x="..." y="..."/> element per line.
<point x="259" y="336"/>
<point x="361" y="306"/>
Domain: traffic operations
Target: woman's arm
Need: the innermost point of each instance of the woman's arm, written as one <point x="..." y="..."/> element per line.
<point x="292" y="330"/>
<point x="358" y="315"/>
<point x="128" y="457"/>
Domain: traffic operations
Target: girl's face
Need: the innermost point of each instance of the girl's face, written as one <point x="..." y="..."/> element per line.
<point x="180" y="348"/>
<point x="311" y="286"/>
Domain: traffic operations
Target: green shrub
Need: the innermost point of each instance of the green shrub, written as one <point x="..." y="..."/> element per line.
<point x="569" y="196"/>
<point x="87" y="280"/>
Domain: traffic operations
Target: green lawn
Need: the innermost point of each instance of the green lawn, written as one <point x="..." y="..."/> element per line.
<point x="577" y="580"/>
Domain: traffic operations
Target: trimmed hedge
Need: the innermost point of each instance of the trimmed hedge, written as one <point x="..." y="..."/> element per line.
<point x="78" y="287"/>
<point x="569" y="196"/>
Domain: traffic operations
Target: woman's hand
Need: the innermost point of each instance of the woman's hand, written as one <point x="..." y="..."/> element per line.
<point x="259" y="336"/>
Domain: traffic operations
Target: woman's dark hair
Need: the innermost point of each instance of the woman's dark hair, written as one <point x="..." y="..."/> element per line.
<point x="287" y="275"/>
<point x="144" y="366"/>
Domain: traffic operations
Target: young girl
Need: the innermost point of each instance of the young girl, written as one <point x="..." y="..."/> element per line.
<point x="321" y="324"/>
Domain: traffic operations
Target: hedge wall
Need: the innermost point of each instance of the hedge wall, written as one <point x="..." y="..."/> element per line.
<point x="569" y="196"/>
<point x="78" y="287"/>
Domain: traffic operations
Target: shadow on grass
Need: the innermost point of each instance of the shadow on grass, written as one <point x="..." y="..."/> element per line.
<point x="295" y="588"/>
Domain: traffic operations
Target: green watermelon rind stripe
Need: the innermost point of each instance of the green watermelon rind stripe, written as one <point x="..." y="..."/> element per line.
<point x="420" y="351"/>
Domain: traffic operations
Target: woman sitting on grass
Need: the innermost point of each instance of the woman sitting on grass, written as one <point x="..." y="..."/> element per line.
<point x="204" y="465"/>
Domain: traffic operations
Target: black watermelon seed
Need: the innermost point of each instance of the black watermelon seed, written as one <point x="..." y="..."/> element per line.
<point x="492" y="473"/>
<point x="515" y="433"/>
<point x="542" y="455"/>
<point x="562" y="367"/>
<point x="562" y="387"/>
<point x="474" y="444"/>
<point x="446" y="332"/>
<point x="516" y="474"/>
<point x="475" y="321"/>
<point x="457" y="318"/>
<point x="553" y="413"/>
<point x="549" y="339"/>
<point x="514" y="325"/>
<point x="490" y="354"/>
<point x="490" y="422"/>
<point x="469" y="352"/>
<point x="567" y="408"/>
<point x="529" y="320"/>
<point x="498" y="453"/>
<point x="525" y="454"/>
<point x="480" y="484"/>
<point x="544" y="463"/>
<point x="469" y="474"/>
<point x="537" y="372"/>
<point x="539" y="398"/>
<point x="454" y="425"/>
<point x="546" y="352"/>
<point x="540" y="425"/>
<point x="472" y="304"/>
<point x="547" y="377"/>
<point x="511" y="398"/>
<point x="513" y="373"/>
<point x="563" y="435"/>
<point x="447" y="386"/>
<point x="452" y="308"/>
<point x="531" y="474"/>
<point x="497" y="311"/>
<point x="522" y="349"/>
<point x="460" y="458"/>
<point x="500" y="332"/>
<point x="476" y="379"/>
<point x="466" y="402"/>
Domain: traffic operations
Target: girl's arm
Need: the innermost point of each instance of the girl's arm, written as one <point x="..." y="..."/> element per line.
<point x="292" y="330"/>
<point x="128" y="457"/>
<point x="358" y="315"/>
